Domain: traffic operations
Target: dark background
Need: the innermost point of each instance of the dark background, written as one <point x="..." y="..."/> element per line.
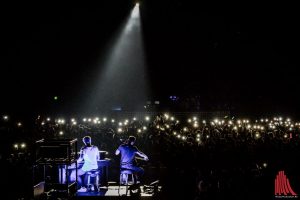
<point x="242" y="55"/>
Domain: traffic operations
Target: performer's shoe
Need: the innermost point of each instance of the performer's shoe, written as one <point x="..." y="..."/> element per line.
<point x="92" y="188"/>
<point x="82" y="189"/>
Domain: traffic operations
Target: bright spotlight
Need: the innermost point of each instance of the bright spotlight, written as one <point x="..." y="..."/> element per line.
<point x="124" y="60"/>
<point x="23" y="145"/>
<point x="136" y="11"/>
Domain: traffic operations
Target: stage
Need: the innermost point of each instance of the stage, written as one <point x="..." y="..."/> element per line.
<point x="116" y="192"/>
<point x="106" y="192"/>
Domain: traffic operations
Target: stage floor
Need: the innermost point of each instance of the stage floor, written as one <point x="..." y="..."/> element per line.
<point x="116" y="191"/>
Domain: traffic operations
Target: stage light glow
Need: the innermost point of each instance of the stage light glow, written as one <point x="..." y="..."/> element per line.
<point x="122" y="66"/>
<point x="23" y="145"/>
<point x="16" y="146"/>
<point x="5" y="117"/>
<point x="136" y="11"/>
<point x="147" y="118"/>
<point x="61" y="132"/>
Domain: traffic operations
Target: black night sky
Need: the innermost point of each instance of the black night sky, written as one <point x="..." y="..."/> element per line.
<point x="245" y="56"/>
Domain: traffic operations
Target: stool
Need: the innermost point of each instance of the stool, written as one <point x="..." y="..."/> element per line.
<point x="127" y="178"/>
<point x="93" y="174"/>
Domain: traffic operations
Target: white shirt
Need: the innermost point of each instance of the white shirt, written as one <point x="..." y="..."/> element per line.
<point x="90" y="157"/>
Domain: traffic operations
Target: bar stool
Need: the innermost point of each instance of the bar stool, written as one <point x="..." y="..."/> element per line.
<point x="93" y="174"/>
<point x="127" y="178"/>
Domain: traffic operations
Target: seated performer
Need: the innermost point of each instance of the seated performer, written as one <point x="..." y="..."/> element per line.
<point x="128" y="153"/>
<point x="90" y="155"/>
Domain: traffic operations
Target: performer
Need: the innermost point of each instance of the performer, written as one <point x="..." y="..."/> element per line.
<point x="90" y="155"/>
<point x="128" y="153"/>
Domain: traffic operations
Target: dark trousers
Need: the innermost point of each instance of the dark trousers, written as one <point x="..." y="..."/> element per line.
<point x="138" y="171"/>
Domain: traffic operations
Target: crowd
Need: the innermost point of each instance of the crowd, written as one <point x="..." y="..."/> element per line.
<point x="193" y="158"/>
